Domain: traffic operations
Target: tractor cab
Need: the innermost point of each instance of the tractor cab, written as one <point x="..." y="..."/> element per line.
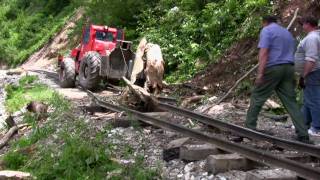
<point x="101" y="39"/>
<point x="102" y="54"/>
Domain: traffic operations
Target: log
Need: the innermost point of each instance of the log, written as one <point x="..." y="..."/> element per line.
<point x="8" y="174"/>
<point x="128" y="121"/>
<point x="256" y="66"/>
<point x="10" y="121"/>
<point x="159" y="115"/>
<point x="8" y="136"/>
<point x="193" y="99"/>
<point x="150" y="102"/>
<point x="21" y="126"/>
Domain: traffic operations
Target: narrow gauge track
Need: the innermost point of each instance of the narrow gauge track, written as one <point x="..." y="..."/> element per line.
<point x="303" y="170"/>
<point x="237" y="130"/>
<point x="241" y="131"/>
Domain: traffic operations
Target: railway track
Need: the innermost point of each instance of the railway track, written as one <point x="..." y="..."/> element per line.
<point x="265" y="157"/>
<point x="241" y="131"/>
<point x="268" y="158"/>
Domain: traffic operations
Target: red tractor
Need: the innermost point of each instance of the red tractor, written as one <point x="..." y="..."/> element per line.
<point x="102" y="54"/>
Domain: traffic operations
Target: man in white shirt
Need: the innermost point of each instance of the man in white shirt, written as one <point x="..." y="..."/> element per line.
<point x="307" y="63"/>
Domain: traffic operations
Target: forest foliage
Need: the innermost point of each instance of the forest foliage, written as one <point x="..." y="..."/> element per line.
<point x="192" y="33"/>
<point x="26" y="25"/>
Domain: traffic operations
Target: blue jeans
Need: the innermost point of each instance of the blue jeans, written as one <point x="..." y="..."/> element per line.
<point x="311" y="100"/>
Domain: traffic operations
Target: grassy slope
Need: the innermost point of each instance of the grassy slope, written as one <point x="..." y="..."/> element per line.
<point x="27" y="25"/>
<point x="63" y="147"/>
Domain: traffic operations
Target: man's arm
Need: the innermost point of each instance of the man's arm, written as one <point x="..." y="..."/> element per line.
<point x="263" y="57"/>
<point x="308" y="67"/>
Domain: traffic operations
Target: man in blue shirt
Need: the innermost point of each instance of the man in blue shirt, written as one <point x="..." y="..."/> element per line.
<point x="276" y="73"/>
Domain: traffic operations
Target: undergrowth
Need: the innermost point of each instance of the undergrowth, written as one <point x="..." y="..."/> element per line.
<point x="191" y="33"/>
<point x="65" y="147"/>
<point x="27" y="25"/>
<point x="18" y="95"/>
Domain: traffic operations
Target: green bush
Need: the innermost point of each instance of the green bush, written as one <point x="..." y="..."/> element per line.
<point x="27" y="90"/>
<point x="64" y="146"/>
<point x="26" y="25"/>
<point x="193" y="33"/>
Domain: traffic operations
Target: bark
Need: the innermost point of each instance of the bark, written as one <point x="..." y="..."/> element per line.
<point x="8" y="136"/>
<point x="193" y="99"/>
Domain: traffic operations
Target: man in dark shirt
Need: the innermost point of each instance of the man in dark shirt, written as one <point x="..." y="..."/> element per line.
<point x="276" y="73"/>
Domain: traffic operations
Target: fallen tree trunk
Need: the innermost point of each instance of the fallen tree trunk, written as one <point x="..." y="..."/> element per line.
<point x="8" y="135"/>
<point x="193" y="99"/>
<point x="150" y="103"/>
<point x="8" y="174"/>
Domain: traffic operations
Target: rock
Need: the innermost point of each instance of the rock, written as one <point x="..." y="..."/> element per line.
<point x="225" y="162"/>
<point x="270" y="104"/>
<point x="173" y="149"/>
<point x="271" y="174"/>
<point x="195" y="152"/>
<point x="213" y="99"/>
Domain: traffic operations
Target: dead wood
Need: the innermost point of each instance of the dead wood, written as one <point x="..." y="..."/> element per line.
<point x="159" y="115"/>
<point x="256" y="66"/>
<point x="193" y="99"/>
<point x="10" y="121"/>
<point x="8" y="136"/>
<point x="21" y="126"/>
<point x="150" y="103"/>
<point x="8" y="174"/>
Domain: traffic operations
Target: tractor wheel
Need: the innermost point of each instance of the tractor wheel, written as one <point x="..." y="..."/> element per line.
<point x="67" y="73"/>
<point x="89" y="73"/>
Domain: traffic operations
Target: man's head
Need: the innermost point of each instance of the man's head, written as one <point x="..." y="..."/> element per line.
<point x="309" y="23"/>
<point x="266" y="20"/>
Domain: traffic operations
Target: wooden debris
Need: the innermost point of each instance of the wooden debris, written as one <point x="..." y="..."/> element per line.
<point x="8" y="174"/>
<point x="141" y="96"/>
<point x="8" y="136"/>
<point x="193" y="99"/>
<point x="154" y="70"/>
<point x="10" y="122"/>
<point x="159" y="115"/>
<point x="17" y="71"/>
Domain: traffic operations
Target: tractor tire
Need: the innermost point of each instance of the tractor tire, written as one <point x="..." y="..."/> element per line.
<point x="67" y="73"/>
<point x="89" y="73"/>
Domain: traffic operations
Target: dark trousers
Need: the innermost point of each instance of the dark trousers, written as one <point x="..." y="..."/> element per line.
<point x="279" y="78"/>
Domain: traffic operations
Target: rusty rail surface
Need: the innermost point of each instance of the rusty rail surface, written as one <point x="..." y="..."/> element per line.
<point x="238" y="130"/>
<point x="253" y="154"/>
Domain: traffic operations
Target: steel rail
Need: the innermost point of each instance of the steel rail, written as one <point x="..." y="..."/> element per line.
<point x="238" y="130"/>
<point x="253" y="154"/>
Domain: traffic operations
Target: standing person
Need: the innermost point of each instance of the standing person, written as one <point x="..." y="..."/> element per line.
<point x="276" y="73"/>
<point x="307" y="62"/>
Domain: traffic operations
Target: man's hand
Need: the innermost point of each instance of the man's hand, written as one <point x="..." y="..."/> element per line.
<point x="259" y="80"/>
<point x="301" y="83"/>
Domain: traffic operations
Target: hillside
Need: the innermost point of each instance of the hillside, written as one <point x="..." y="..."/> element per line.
<point x="207" y="45"/>
<point x="192" y="34"/>
<point x="27" y="25"/>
